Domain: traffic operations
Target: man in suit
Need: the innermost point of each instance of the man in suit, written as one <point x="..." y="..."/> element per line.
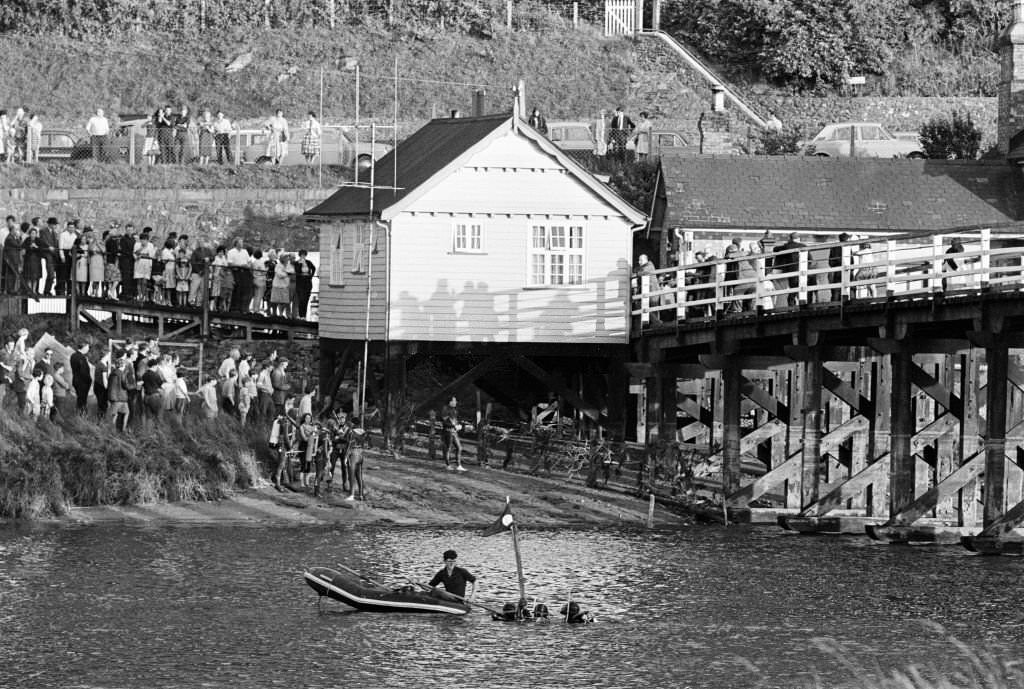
<point x="81" y="376"/>
<point x="787" y="260"/>
<point x="51" y="257"/>
<point x="619" y="131"/>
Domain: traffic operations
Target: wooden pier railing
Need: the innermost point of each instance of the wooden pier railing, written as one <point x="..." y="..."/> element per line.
<point x="901" y="267"/>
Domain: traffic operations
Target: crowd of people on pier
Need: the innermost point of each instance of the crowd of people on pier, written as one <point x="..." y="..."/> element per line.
<point x="121" y="264"/>
<point x="764" y="273"/>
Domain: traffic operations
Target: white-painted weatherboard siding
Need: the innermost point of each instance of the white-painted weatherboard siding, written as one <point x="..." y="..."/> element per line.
<point x="342" y="309"/>
<point x="440" y="295"/>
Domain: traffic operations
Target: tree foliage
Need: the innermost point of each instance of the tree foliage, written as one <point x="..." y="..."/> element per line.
<point x="814" y="44"/>
<point x="953" y="137"/>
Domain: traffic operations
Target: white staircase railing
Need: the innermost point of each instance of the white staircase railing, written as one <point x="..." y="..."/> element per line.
<point x="709" y="75"/>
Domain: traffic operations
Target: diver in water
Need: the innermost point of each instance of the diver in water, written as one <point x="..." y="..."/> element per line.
<point x="572" y="614"/>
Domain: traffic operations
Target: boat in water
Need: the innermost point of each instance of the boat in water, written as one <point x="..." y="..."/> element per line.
<point x="368" y="596"/>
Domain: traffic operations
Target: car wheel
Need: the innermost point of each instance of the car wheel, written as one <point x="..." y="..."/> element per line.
<point x="917" y="155"/>
<point x="264" y="160"/>
<point x="364" y="163"/>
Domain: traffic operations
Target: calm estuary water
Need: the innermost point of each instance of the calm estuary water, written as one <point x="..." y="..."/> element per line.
<point x="225" y="606"/>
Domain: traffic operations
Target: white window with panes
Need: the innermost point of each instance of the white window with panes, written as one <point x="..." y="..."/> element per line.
<point x="555" y="256"/>
<point x="468" y="238"/>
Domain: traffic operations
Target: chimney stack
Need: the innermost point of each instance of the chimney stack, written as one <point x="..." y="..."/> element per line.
<point x="715" y="127"/>
<point x="717" y="98"/>
<point x="1011" y="79"/>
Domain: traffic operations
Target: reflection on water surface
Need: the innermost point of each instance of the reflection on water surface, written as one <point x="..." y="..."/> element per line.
<point x="702" y="607"/>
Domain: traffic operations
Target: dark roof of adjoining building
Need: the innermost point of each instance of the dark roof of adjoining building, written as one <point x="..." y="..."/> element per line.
<point x="840" y="193"/>
<point x="425" y="153"/>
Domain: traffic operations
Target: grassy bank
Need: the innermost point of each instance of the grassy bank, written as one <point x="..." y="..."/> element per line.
<point x="88" y="174"/>
<point x="47" y="467"/>
<point x="66" y="79"/>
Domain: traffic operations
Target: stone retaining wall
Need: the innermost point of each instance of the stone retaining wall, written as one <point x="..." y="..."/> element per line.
<point x="270" y="217"/>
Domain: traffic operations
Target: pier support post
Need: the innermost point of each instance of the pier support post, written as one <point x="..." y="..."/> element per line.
<point x="997" y="357"/>
<point x="970" y="443"/>
<point x="902" y="469"/>
<point x="810" y="457"/>
<point x="731" y="382"/>
<point x="795" y="430"/>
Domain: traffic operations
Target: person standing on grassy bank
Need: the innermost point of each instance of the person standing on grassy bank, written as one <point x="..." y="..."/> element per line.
<point x="81" y="377"/>
<point x="98" y="128"/>
<point x="450" y="428"/>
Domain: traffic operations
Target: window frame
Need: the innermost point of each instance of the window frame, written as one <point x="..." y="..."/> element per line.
<point x="557" y="245"/>
<point x="468" y="226"/>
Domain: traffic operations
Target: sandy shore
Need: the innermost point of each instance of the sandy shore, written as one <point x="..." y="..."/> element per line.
<point x="408" y="491"/>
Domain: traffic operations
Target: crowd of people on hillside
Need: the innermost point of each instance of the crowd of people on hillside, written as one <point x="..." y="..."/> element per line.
<point x="133" y="383"/>
<point x="172" y="136"/>
<point x="765" y="273"/>
<point x="41" y="260"/>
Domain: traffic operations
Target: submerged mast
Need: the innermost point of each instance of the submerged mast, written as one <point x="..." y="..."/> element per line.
<point x="519" y="560"/>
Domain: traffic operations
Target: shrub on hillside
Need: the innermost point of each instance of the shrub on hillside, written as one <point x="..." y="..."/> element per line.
<point x="954" y="137"/>
<point x="777" y="142"/>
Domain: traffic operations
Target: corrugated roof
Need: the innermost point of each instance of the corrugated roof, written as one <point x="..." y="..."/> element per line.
<point x="840" y="193"/>
<point x="421" y="156"/>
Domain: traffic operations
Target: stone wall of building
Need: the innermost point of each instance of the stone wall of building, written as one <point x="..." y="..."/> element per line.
<point x="264" y="217"/>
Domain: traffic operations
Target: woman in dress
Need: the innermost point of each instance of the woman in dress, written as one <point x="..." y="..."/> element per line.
<point x="277" y="139"/>
<point x="97" y="264"/>
<point x="220" y="269"/>
<point x="642" y="136"/>
<point x="112" y="272"/>
<point x="168" y="370"/>
<point x="259" y="281"/>
<point x="168" y="261"/>
<point x="33" y="138"/>
<point x="143" y="267"/>
<point x="32" y="267"/>
<point x="311" y="139"/>
<point x="182" y="275"/>
<point x="205" y="138"/>
<point x="80" y="251"/>
<point x="279" y="288"/>
<point x="190" y="152"/>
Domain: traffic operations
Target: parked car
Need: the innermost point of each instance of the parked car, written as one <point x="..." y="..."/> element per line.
<point x="572" y="136"/>
<point x="871" y="140"/>
<point x="338" y="146"/>
<point x="56" y="144"/>
<point x="119" y="145"/>
<point x="663" y="141"/>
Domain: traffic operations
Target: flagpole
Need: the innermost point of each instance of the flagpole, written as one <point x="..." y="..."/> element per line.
<point x="519" y="561"/>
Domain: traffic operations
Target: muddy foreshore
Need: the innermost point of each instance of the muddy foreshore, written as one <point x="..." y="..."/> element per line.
<point x="403" y="491"/>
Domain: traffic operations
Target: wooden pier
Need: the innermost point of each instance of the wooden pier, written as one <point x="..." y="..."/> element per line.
<point x="888" y="402"/>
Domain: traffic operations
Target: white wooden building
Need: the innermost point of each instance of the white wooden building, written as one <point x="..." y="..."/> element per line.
<point x="477" y="232"/>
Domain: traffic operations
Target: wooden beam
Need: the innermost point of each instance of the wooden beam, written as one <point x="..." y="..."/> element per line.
<point x="695" y="410"/>
<point x="810" y="479"/>
<point x="997" y="358"/>
<point x="947" y="488"/>
<point x="787" y="471"/>
<point x="759" y="396"/>
<point x="938" y="392"/>
<point x="532" y="369"/>
<point x="480" y="369"/>
<point x="731" y="377"/>
<point x="875" y="474"/>
<point x="746" y="363"/>
<point x="183" y="329"/>
<point x="842" y="390"/>
<point x="648" y="370"/>
<point x="89" y="317"/>
<point x="751" y="440"/>
<point x="902" y="461"/>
